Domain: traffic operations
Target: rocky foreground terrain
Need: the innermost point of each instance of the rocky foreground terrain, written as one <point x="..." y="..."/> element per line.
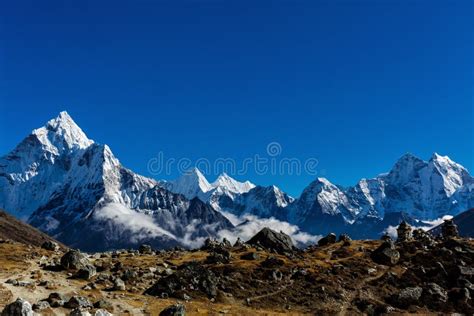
<point x="266" y="275"/>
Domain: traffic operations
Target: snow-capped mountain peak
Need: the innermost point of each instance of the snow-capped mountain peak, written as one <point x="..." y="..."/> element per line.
<point x="191" y="184"/>
<point x="232" y="185"/>
<point x="62" y="134"/>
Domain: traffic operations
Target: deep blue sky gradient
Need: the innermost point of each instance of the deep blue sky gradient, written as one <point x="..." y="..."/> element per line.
<point x="355" y="84"/>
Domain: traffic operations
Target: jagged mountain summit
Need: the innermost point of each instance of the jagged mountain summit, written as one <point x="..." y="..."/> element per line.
<point x="76" y="190"/>
<point x="229" y="195"/>
<point x="422" y="190"/>
<point x="193" y="183"/>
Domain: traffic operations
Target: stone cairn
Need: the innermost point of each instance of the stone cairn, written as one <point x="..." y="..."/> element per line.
<point x="449" y="229"/>
<point x="404" y="232"/>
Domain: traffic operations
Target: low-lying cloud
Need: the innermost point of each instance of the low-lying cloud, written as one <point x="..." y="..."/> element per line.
<point x="143" y="227"/>
<point x="248" y="225"/>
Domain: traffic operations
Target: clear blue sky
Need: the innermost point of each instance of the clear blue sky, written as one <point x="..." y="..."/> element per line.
<point x="355" y="84"/>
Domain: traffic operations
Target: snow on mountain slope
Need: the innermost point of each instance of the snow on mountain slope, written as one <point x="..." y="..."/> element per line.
<point x="424" y="190"/>
<point x="194" y="184"/>
<point x="61" y="182"/>
<point x="264" y="202"/>
<point x="331" y="200"/>
<point x="191" y="184"/>
<point x="232" y="185"/>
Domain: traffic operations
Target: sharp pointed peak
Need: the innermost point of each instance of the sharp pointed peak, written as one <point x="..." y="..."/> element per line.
<point x="62" y="133"/>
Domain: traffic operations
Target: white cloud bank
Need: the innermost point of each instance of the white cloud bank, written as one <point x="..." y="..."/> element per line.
<point x="142" y="226"/>
<point x="249" y="225"/>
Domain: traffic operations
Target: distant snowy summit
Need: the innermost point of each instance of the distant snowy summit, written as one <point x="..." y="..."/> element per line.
<point x="76" y="190"/>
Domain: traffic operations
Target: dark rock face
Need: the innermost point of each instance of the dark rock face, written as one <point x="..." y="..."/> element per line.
<point x="386" y="254"/>
<point x="271" y="240"/>
<point x="189" y="277"/>
<point x="174" y="310"/>
<point x="18" y="308"/>
<point x="328" y="240"/>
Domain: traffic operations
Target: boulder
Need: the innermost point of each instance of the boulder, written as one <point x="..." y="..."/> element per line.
<point x="119" y="285"/>
<point x="86" y="272"/>
<point x="409" y="296"/>
<point x="271" y="240"/>
<point x="145" y="249"/>
<point x="75" y="260"/>
<point x="50" y="245"/>
<point x="56" y="299"/>
<point x="102" y="312"/>
<point x="174" y="310"/>
<point x="328" y="240"/>
<point x="433" y="294"/>
<point x="78" y="302"/>
<point x="386" y="254"/>
<point x="41" y="305"/>
<point x="20" y="307"/>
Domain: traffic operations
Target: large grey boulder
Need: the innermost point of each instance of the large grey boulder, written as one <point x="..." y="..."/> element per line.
<point x="20" y="307"/>
<point x="75" y="260"/>
<point x="271" y="240"/>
